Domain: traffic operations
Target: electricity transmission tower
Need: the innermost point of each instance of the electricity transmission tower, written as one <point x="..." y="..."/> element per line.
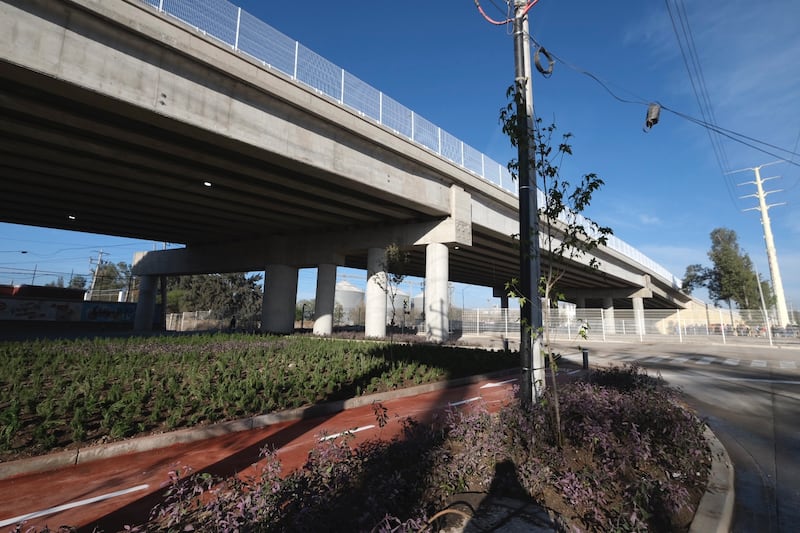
<point x="772" y="256"/>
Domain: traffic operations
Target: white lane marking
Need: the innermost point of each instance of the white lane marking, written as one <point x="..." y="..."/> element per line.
<point x="705" y="361"/>
<point x="462" y="402"/>
<point x="788" y="364"/>
<point x="765" y="380"/>
<point x="64" y="507"/>
<point x="337" y="435"/>
<point x="499" y="384"/>
<point x="732" y="362"/>
<point x="759" y="363"/>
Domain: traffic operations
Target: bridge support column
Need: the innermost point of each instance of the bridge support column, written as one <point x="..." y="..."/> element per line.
<point x="324" y="302"/>
<point x="638" y="314"/>
<point x="375" y="304"/>
<point x="280" y="293"/>
<point x="146" y="307"/>
<point x="437" y="296"/>
<point x="608" y="316"/>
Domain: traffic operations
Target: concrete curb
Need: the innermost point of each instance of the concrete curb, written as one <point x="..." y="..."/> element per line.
<point x="67" y="458"/>
<point x="715" y="512"/>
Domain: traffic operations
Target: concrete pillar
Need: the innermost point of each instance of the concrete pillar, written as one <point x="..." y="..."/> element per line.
<point x="146" y="306"/>
<point x="375" y="304"/>
<point x="324" y="300"/>
<point x="608" y="315"/>
<point x="638" y="313"/>
<point x="280" y="295"/>
<point x="437" y="295"/>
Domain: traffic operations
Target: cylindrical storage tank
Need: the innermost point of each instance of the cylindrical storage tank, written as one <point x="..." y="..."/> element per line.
<point x="418" y="302"/>
<point x="350" y="298"/>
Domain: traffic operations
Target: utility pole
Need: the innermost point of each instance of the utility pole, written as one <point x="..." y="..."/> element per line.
<point x="531" y="358"/>
<point x="763" y="306"/>
<point x="772" y="255"/>
<point x="88" y="296"/>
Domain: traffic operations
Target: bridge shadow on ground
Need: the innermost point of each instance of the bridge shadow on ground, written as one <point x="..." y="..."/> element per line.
<point x="397" y="465"/>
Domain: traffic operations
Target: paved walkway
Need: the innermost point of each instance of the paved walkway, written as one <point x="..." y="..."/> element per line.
<point x="116" y="485"/>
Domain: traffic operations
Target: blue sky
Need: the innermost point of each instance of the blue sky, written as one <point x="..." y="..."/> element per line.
<point x="665" y="190"/>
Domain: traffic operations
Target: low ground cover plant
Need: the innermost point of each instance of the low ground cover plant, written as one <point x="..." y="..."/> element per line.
<point x="633" y="459"/>
<point x="57" y="394"/>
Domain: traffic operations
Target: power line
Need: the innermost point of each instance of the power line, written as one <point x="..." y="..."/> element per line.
<point x="697" y="81"/>
<point x="733" y="135"/>
<point x="796" y="143"/>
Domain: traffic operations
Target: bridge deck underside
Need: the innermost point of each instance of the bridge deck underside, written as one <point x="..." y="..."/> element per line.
<point x="76" y="160"/>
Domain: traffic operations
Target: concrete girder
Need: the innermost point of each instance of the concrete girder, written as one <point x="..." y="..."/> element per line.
<point x="304" y="250"/>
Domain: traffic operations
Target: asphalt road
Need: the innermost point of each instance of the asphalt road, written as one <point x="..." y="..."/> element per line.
<point x="749" y="396"/>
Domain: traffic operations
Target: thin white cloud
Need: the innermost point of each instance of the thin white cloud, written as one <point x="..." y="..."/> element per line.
<point x="652" y="32"/>
<point x="649" y="220"/>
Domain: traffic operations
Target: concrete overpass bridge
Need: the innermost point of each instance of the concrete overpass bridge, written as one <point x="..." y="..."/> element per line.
<point x="211" y="129"/>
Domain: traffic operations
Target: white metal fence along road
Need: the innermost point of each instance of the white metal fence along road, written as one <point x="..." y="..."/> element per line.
<point x="673" y="325"/>
<point x="246" y="34"/>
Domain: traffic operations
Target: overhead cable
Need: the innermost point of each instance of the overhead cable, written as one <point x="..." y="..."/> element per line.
<point x="735" y="136"/>
<point x="686" y="44"/>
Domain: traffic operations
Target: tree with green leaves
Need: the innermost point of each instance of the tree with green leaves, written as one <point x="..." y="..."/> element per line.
<point x="566" y="235"/>
<point x="732" y="278"/>
<point x="77" y="282"/>
<point x="228" y="296"/>
<point x="395" y="262"/>
<point x="110" y="276"/>
<point x="338" y="314"/>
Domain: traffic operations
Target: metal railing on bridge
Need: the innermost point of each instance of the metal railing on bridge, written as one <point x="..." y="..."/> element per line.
<point x="246" y="34"/>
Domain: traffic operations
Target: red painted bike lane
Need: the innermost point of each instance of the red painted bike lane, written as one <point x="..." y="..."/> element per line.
<point x="118" y="491"/>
